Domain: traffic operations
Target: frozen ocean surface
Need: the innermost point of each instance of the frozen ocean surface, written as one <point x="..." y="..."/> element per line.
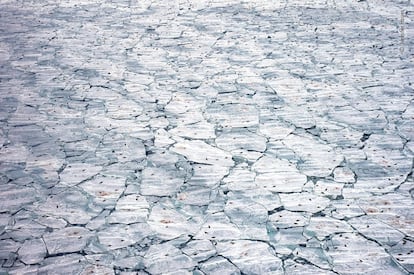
<point x="206" y="137"/>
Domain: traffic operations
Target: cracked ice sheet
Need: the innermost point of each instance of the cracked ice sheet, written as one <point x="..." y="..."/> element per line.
<point x="357" y="260"/>
<point x="280" y="142"/>
<point x="251" y="257"/>
<point x="201" y="152"/>
<point x="318" y="159"/>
